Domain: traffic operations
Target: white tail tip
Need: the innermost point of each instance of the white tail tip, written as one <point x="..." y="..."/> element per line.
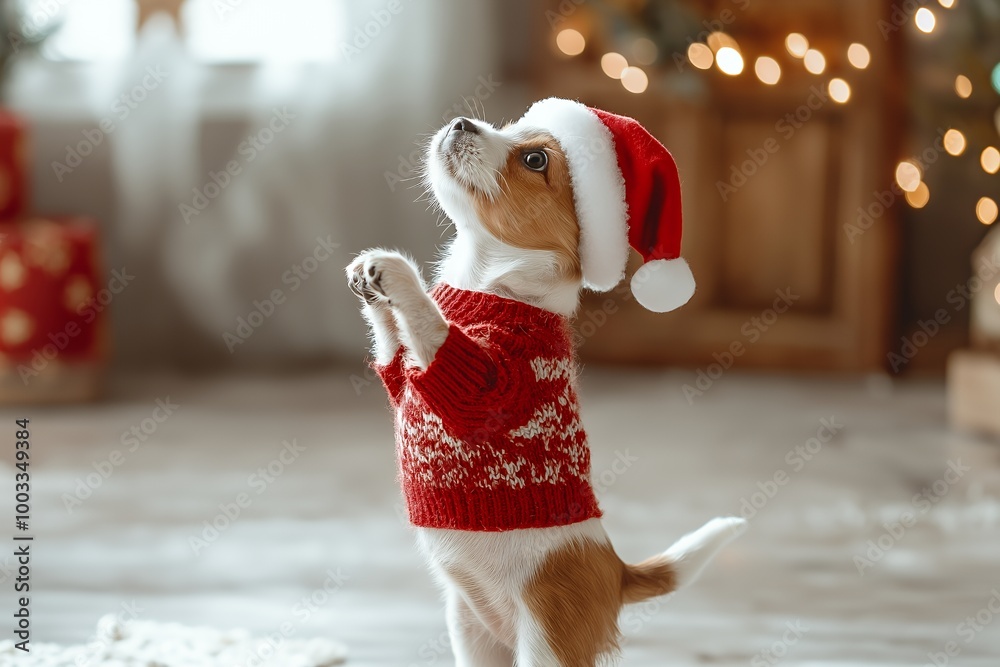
<point x="690" y="554"/>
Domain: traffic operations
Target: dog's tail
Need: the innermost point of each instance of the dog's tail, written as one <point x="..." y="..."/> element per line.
<point x="681" y="564"/>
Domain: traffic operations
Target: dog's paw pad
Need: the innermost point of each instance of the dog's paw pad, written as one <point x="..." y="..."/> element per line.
<point x="373" y="276"/>
<point x="363" y="278"/>
<point x="381" y="274"/>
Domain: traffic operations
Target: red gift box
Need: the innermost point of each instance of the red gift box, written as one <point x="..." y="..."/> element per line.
<point x="13" y="165"/>
<point x="53" y="309"/>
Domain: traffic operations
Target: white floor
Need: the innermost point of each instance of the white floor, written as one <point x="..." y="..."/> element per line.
<point x="334" y="509"/>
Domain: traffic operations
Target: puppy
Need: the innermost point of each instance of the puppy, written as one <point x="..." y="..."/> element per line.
<point x="480" y="371"/>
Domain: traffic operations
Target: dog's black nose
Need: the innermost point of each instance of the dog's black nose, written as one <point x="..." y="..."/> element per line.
<point x="465" y="125"/>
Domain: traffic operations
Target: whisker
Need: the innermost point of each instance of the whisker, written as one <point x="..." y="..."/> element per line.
<point x="503" y="178"/>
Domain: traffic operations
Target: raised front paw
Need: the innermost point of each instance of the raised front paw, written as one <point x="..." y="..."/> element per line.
<point x="381" y="275"/>
<point x="356" y="281"/>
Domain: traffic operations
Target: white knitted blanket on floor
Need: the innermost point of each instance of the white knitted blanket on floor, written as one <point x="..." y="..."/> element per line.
<point x="151" y="644"/>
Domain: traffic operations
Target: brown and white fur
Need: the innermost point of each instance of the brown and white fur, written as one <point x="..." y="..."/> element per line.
<point x="540" y="597"/>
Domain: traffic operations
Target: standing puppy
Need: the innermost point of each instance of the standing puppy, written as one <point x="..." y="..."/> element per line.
<point x="480" y="371"/>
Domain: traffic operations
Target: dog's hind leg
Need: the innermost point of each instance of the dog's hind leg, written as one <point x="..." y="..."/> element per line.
<point x="471" y="642"/>
<point x="571" y="605"/>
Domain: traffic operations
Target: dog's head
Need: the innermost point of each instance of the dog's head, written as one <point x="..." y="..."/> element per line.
<point x="512" y="183"/>
<point x="552" y="202"/>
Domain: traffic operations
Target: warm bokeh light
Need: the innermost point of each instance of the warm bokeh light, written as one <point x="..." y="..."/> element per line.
<point x="919" y="197"/>
<point x="815" y="61"/>
<point x="797" y="44"/>
<point x="729" y="60"/>
<point x="986" y="211"/>
<point x="840" y="91"/>
<point x="634" y="80"/>
<point x="613" y="64"/>
<point x="720" y="40"/>
<point x="858" y="55"/>
<point x="768" y="70"/>
<point x="908" y="176"/>
<point x="954" y="142"/>
<point x="990" y="160"/>
<point x="700" y="55"/>
<point x="570" y="42"/>
<point x="996" y="294"/>
<point x="925" y="20"/>
<point x="644" y="51"/>
<point x="947" y="4"/>
<point x="963" y="86"/>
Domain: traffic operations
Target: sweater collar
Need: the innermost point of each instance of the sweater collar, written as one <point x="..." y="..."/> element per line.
<point x="466" y="307"/>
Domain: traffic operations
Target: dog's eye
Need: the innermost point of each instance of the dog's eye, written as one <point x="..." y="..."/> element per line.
<point x="536" y="160"/>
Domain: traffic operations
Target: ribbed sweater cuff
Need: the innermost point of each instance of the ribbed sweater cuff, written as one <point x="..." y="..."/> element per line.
<point x="392" y="376"/>
<point x="454" y="384"/>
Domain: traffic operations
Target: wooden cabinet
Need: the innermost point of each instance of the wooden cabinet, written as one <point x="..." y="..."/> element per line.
<point x="773" y="179"/>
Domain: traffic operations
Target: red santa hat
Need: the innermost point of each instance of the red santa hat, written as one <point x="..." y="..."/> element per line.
<point x="627" y="192"/>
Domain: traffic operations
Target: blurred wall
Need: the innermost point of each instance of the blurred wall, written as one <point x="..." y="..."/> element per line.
<point x="939" y="239"/>
<point x="339" y="173"/>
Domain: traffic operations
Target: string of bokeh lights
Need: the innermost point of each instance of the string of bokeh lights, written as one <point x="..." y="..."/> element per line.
<point x="722" y="50"/>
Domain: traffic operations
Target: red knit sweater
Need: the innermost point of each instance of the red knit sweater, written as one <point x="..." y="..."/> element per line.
<point x="489" y="436"/>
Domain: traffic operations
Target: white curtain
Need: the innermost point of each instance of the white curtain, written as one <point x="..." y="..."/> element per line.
<point x="347" y="130"/>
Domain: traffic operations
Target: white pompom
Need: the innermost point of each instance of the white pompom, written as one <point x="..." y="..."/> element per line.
<point x="662" y="285"/>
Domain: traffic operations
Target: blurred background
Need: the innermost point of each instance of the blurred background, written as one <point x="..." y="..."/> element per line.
<point x="849" y="156"/>
<point x="183" y="181"/>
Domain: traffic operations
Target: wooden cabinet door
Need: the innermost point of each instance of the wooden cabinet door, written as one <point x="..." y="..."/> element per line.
<point x="789" y="211"/>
